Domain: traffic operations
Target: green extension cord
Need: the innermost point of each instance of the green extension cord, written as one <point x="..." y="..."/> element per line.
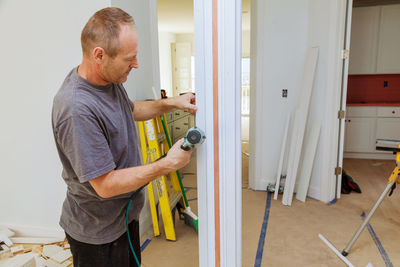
<point x="134" y="194"/>
<point x="127" y="228"/>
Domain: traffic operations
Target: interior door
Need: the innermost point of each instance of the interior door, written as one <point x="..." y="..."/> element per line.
<point x="345" y="72"/>
<point x="181" y="67"/>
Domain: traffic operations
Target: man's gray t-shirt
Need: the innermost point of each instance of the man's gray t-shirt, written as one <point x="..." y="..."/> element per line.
<point x="95" y="133"/>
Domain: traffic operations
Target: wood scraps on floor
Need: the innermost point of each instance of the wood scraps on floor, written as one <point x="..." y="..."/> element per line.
<point x="57" y="254"/>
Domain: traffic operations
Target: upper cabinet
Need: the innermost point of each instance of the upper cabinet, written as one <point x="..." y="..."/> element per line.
<point x="364" y="40"/>
<point x="389" y="40"/>
<point x="375" y="40"/>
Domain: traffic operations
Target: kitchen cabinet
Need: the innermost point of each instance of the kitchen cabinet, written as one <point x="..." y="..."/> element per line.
<point x="364" y="40"/>
<point x="388" y="112"/>
<point x="375" y="40"/>
<point x="361" y="112"/>
<point x="388" y="128"/>
<point x="365" y="124"/>
<point x="389" y="40"/>
<point x="388" y="123"/>
<point x="179" y="122"/>
<point x="360" y="135"/>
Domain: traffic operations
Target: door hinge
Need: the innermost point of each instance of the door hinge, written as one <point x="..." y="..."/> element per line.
<point x="345" y="54"/>
<point x="341" y="114"/>
<point x="338" y="170"/>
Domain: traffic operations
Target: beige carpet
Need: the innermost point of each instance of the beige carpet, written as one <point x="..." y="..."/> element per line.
<point x="292" y="233"/>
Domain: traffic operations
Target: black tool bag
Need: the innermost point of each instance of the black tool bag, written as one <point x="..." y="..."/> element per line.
<point x="348" y="184"/>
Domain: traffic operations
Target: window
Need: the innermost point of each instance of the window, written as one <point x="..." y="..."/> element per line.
<point x="245" y="86"/>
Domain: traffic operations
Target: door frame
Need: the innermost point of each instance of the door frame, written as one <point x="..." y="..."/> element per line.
<point x="217" y="37"/>
<point x="325" y="188"/>
<point x="340" y="22"/>
<point x="345" y="72"/>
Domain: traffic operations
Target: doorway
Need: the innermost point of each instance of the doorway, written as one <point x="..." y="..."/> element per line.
<point x="374" y="76"/>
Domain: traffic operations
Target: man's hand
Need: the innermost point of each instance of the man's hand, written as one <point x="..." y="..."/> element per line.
<point x="117" y="182"/>
<point x="145" y="110"/>
<point x="177" y="157"/>
<point x="186" y="101"/>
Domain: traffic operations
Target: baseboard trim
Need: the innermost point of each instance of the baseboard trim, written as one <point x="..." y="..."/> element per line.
<point x="384" y="156"/>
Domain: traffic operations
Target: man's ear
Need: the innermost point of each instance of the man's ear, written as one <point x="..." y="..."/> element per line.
<point x="98" y="54"/>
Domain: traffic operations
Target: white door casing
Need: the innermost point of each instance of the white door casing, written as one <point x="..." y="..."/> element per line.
<point x="218" y="70"/>
<point x="346" y="31"/>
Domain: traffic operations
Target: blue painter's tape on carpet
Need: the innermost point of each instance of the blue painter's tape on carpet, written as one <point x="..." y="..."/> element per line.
<point x="145" y="245"/>
<point x="333" y="201"/>
<point x="378" y="243"/>
<point x="263" y="232"/>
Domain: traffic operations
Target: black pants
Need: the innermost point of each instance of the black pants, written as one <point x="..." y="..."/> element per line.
<point x="114" y="254"/>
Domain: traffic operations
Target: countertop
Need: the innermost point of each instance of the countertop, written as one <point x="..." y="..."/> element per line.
<point x="373" y="104"/>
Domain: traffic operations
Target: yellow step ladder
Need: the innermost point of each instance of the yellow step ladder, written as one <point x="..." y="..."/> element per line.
<point x="154" y="146"/>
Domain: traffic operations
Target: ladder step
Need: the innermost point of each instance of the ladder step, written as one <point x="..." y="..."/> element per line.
<point x="154" y="144"/>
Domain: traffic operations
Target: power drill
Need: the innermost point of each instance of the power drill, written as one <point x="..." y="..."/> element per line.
<point x="194" y="136"/>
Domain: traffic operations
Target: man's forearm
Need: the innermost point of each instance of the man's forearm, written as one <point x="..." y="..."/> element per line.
<point x="145" y="110"/>
<point x="122" y="181"/>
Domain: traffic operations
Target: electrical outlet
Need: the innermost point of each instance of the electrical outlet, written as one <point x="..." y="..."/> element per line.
<point x="284" y="92"/>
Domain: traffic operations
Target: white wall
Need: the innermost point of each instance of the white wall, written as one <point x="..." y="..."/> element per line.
<point x="186" y="38"/>
<point x="245" y="43"/>
<point x="164" y="40"/>
<point x="139" y="84"/>
<point x="279" y="55"/>
<point x="40" y="45"/>
<point x="326" y="30"/>
<point x="284" y="30"/>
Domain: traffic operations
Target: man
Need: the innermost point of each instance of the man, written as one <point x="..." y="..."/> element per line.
<point x="94" y="130"/>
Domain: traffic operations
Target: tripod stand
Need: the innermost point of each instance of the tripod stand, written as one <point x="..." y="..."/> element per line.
<point x="387" y="145"/>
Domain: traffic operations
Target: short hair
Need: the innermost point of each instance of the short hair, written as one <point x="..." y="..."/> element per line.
<point x="103" y="29"/>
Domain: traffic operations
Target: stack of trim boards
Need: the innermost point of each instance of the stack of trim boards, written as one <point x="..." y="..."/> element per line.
<point x="297" y="136"/>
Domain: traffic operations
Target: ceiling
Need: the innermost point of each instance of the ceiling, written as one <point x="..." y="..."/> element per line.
<point x="176" y="16"/>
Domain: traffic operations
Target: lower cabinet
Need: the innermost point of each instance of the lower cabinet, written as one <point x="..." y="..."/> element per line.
<point x="363" y="125"/>
<point x="179" y="122"/>
<point x="388" y="128"/>
<point x="360" y="135"/>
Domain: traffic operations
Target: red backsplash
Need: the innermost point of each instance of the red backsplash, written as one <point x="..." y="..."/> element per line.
<point x="371" y="89"/>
